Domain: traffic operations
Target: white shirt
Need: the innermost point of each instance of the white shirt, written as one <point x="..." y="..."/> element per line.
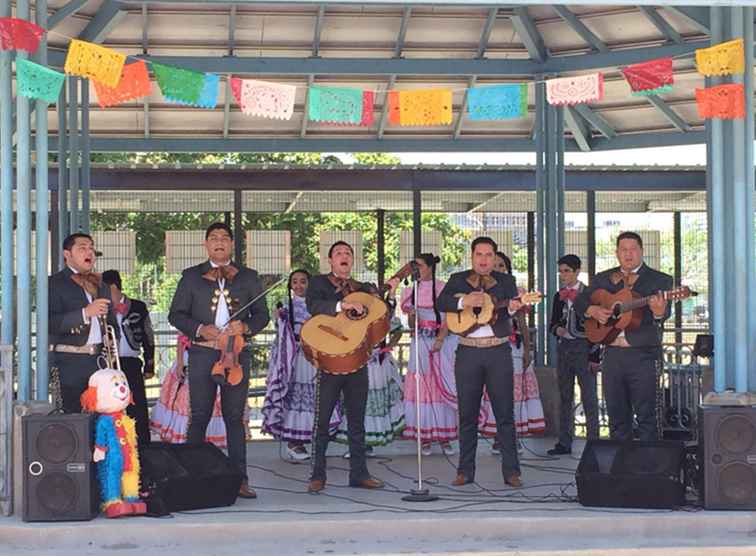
<point x="221" y="313"/>
<point x="95" y="332"/>
<point x="483" y="332"/>
<point x="124" y="349"/>
<point x="569" y="336"/>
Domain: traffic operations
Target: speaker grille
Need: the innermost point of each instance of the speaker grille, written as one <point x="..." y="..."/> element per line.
<point x="737" y="483"/>
<point x="57" y="493"/>
<point x="736" y="434"/>
<point x="56" y="443"/>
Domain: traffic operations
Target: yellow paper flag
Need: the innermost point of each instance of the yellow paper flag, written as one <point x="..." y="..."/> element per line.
<point x="721" y="59"/>
<point x="425" y="107"/>
<point x="96" y="62"/>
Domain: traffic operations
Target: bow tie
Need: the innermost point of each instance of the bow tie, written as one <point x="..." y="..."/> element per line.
<point x="344" y="286"/>
<point x="218" y="273"/>
<point x="479" y="281"/>
<point x="568" y="294"/>
<point x="89" y="282"/>
<point x="121" y="308"/>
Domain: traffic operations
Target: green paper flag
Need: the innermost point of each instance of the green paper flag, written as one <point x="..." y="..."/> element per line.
<point x="179" y="85"/>
<point x="35" y="81"/>
<point x="340" y="105"/>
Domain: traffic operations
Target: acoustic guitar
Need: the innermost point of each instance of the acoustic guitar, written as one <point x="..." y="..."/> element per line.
<point x="464" y="320"/>
<point x="626" y="314"/>
<point x="342" y="344"/>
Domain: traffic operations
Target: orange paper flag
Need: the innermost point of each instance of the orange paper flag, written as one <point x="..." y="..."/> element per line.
<point x="425" y="107"/>
<point x="724" y="102"/>
<point x="134" y="83"/>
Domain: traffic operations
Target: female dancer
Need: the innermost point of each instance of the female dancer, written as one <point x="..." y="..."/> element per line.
<point x="438" y="397"/>
<point x="289" y="407"/>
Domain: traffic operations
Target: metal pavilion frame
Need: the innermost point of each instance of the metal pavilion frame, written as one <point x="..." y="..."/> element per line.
<point x="730" y="179"/>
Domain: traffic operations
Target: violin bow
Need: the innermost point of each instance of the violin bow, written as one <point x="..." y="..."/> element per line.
<point x="249" y="303"/>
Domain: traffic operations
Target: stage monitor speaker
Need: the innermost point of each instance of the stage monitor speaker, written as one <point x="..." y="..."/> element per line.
<point x="59" y="477"/>
<point x="727" y="452"/>
<point x="635" y="474"/>
<point x="182" y="477"/>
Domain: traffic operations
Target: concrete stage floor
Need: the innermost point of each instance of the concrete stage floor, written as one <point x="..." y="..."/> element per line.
<point x="484" y="518"/>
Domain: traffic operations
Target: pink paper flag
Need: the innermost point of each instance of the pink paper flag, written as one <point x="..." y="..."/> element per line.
<point x="267" y="100"/>
<point x="575" y="90"/>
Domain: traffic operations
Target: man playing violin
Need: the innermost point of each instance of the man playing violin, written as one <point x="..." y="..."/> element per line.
<point x="79" y="307"/>
<point x="629" y="364"/>
<point x="484" y="358"/>
<point x="324" y="296"/>
<point x="206" y="297"/>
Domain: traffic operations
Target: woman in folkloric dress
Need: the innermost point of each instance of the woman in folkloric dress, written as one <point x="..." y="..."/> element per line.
<point x="438" y="396"/>
<point x="528" y="410"/>
<point x="289" y="407"/>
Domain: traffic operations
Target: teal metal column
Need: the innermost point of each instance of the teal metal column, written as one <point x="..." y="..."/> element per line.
<point x="86" y="175"/>
<point x="730" y="182"/>
<point x="540" y="140"/>
<point x="73" y="151"/>
<point x="42" y="198"/>
<point x="64" y="228"/>
<point x="23" y="228"/>
<point x="6" y="189"/>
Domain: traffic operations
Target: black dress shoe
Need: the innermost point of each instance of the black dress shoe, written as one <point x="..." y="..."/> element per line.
<point x="559" y="450"/>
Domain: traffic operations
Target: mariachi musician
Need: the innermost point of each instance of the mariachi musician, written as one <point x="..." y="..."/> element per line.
<point x="206" y="297"/>
<point x="324" y="297"/>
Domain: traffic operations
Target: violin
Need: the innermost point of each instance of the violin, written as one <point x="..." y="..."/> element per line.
<point x="228" y="370"/>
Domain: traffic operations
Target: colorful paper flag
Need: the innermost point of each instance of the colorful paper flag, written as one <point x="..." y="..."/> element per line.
<point x="236" y="85"/>
<point x="179" y="85"/>
<point x="394" y="113"/>
<point x="425" y="107"/>
<point x="367" y="111"/>
<point x="134" y="83"/>
<point x="652" y="77"/>
<point x="208" y="97"/>
<point x="95" y="62"/>
<point x="35" y="81"/>
<point x="575" y="90"/>
<point x="267" y="100"/>
<point x="19" y="34"/>
<point x="499" y="102"/>
<point x="722" y="59"/>
<point x="724" y="102"/>
<point x="340" y="105"/>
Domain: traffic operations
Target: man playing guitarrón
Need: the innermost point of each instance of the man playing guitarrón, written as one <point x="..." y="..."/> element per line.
<point x="484" y="358"/>
<point x="629" y="364"/>
<point x="324" y="296"/>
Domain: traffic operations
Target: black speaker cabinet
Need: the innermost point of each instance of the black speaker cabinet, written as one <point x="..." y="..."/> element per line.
<point x="633" y="474"/>
<point x="59" y="476"/>
<point x="727" y="452"/>
<point x="189" y="476"/>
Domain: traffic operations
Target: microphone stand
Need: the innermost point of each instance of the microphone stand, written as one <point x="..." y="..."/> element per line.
<point x="418" y="494"/>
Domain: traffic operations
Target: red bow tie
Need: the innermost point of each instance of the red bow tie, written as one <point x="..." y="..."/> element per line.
<point x="566" y="294"/>
<point x="121" y="308"/>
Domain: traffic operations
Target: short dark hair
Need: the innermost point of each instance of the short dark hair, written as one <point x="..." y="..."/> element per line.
<point x="68" y="243"/>
<point x="630" y="235"/>
<point x="218" y="226"/>
<point x="112" y="277"/>
<point x="484" y="239"/>
<point x="336" y="244"/>
<point x="507" y="261"/>
<point x="573" y="261"/>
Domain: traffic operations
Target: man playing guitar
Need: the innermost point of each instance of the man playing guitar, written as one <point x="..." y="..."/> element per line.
<point x="324" y="296"/>
<point x="629" y="364"/>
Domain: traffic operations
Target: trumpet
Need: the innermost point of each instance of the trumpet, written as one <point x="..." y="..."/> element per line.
<point x="108" y="359"/>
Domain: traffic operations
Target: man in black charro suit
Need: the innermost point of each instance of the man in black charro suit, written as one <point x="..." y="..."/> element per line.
<point x="484" y="358"/>
<point x="324" y="297"/>
<point x="629" y="365"/>
<point x="206" y="296"/>
<point x="77" y="304"/>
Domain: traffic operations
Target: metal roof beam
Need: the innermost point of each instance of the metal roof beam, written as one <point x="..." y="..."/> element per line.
<point x="596" y="121"/>
<point x="384" y="111"/>
<point x="526" y="29"/>
<point x="485" y="34"/>
<point x="107" y="17"/>
<point x="661" y="24"/>
<point x="145" y="50"/>
<point x="697" y="17"/>
<point x="231" y="30"/>
<point x="643" y="140"/>
<point x="227" y="88"/>
<point x="303" y="129"/>
<point x="461" y="117"/>
<point x="435" y="3"/>
<point x="580" y="28"/>
<point x="69" y="9"/>
<point x="580" y="131"/>
<point x="318" y="31"/>
<point x="668" y="113"/>
<point x="400" y="38"/>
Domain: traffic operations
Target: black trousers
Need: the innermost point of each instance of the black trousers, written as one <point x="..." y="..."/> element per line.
<point x="202" y="391"/>
<point x="629" y="381"/>
<point x="74" y="370"/>
<point x="573" y="362"/>
<point x="132" y="368"/>
<point x="355" y="389"/>
<point x="490" y="367"/>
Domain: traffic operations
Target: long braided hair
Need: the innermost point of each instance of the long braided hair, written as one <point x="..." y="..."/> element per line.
<point x="288" y="294"/>
<point x="431" y="260"/>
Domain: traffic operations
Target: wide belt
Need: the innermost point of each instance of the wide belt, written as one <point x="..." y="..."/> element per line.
<point x="487" y="342"/>
<point x="86" y="349"/>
